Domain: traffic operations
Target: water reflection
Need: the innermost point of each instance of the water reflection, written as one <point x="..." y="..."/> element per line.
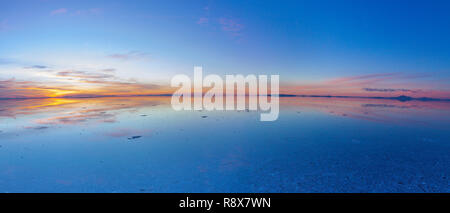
<point x="140" y="144"/>
<point x="73" y="111"/>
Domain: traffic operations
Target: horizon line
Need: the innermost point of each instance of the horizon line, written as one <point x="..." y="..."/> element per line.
<point x="401" y="98"/>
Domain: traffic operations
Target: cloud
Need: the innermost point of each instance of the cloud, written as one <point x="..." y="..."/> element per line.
<point x="94" y="86"/>
<point x="59" y="11"/>
<point x="363" y="78"/>
<point x="76" y="83"/>
<point x="374" y="78"/>
<point x="91" y="11"/>
<point x="82" y="12"/>
<point x="231" y="26"/>
<point x="23" y="89"/>
<point x="202" y="20"/>
<point x="387" y="90"/>
<point x="109" y="70"/>
<point x="36" y="67"/>
<point x="83" y="74"/>
<point x="390" y="84"/>
<point x="132" y="55"/>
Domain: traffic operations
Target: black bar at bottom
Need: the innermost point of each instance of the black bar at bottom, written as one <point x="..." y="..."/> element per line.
<point x="214" y="202"/>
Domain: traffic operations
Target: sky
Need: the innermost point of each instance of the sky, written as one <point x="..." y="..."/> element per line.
<point x="58" y="48"/>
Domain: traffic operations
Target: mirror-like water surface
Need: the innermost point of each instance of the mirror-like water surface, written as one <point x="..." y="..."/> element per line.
<point x="142" y="145"/>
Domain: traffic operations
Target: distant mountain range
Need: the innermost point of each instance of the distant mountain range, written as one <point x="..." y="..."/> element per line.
<point x="401" y="98"/>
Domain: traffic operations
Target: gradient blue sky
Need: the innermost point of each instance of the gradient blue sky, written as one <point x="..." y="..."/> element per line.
<point x="315" y="46"/>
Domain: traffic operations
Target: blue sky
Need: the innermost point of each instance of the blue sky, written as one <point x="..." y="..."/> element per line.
<point x="309" y="43"/>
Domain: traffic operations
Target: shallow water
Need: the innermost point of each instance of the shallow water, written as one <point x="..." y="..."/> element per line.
<point x="141" y="145"/>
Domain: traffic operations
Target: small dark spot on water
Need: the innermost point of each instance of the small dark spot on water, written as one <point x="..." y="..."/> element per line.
<point x="134" y="137"/>
<point x="40" y="127"/>
<point x="142" y="190"/>
<point x="344" y="114"/>
<point x="204" y="116"/>
<point x="143" y="115"/>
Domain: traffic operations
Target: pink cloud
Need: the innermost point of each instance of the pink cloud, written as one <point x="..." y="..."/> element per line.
<point x="381" y="84"/>
<point x="360" y="78"/>
<point x="59" y="11"/>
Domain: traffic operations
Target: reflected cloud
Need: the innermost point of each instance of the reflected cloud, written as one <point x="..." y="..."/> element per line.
<point x="74" y="111"/>
<point x="387" y="111"/>
<point x="41" y="114"/>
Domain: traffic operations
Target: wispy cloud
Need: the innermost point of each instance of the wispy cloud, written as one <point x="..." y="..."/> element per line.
<point x="381" y="84"/>
<point x="59" y="11"/>
<point x="231" y="26"/>
<point x="83" y="74"/>
<point x="132" y="55"/>
<point x="362" y="78"/>
<point x="387" y="90"/>
<point x="36" y="67"/>
<point x="91" y="11"/>
<point x="108" y="70"/>
<point x="80" y="12"/>
<point x="25" y="89"/>
<point x="77" y="83"/>
<point x="203" y="20"/>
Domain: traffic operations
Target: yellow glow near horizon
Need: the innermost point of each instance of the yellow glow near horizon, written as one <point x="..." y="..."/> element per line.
<point x="52" y="102"/>
<point x="53" y="92"/>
